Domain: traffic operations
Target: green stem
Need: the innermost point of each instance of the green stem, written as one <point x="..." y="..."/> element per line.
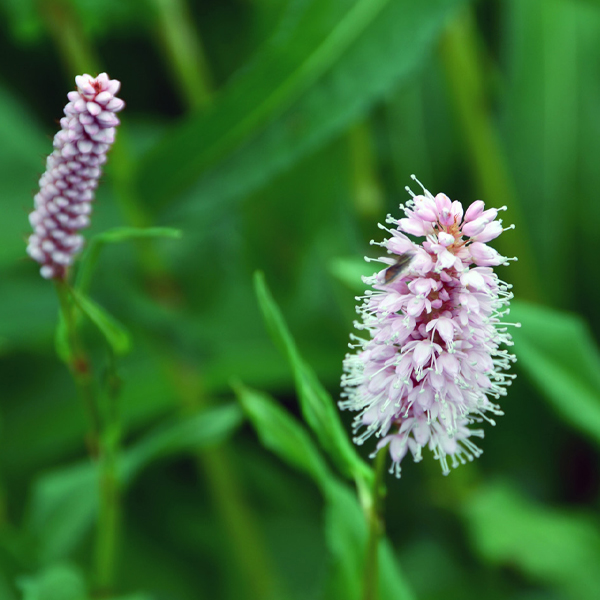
<point x="110" y="493"/>
<point x="185" y="52"/>
<point x="76" y="54"/>
<point x="460" y="55"/>
<point x="240" y="525"/>
<point x="104" y="440"/>
<point x="368" y="196"/>
<point x="407" y="134"/>
<point x="376" y="528"/>
<point x="79" y="365"/>
<point x="108" y="522"/>
<point x="238" y="520"/>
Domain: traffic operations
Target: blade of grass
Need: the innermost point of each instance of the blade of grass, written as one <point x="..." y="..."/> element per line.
<point x="317" y="405"/>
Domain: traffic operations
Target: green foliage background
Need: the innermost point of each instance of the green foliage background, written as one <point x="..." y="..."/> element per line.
<point x="275" y="134"/>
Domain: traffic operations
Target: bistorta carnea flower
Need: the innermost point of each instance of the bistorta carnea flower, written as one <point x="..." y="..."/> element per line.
<point x="434" y="360"/>
<point x="63" y="204"/>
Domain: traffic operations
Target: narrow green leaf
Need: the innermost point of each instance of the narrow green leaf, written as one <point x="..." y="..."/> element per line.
<point x="123" y="234"/>
<point x="319" y="74"/>
<point x="552" y="547"/>
<point x="317" y="406"/>
<point x="346" y="530"/>
<point x="558" y="353"/>
<point x="281" y="72"/>
<point x="56" y="582"/>
<point x="113" y="331"/>
<point x="201" y="430"/>
<point x="64" y="502"/>
<point x="282" y="434"/>
<point x="114" y="236"/>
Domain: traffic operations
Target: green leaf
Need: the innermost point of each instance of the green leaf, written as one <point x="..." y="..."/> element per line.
<point x="138" y="596"/>
<point x="558" y="353"/>
<point x="328" y="64"/>
<point x="56" y="582"/>
<point x="63" y="505"/>
<point x="114" y="236"/>
<point x="346" y="530"/>
<point x="201" y="430"/>
<point x="7" y="589"/>
<point x="64" y="502"/>
<point x="552" y="547"/>
<point x="543" y="145"/>
<point x="282" y="434"/>
<point x="124" y="234"/>
<point x="317" y="406"/>
<point x="113" y="331"/>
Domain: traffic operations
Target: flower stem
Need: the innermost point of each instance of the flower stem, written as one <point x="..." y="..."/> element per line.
<point x="103" y="440"/>
<point x="376" y="528"/>
<point x="79" y="365"/>
<point x="217" y="467"/>
<point x="77" y="55"/>
<point x="110" y="496"/>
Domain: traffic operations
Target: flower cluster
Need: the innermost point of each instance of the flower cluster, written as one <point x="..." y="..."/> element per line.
<point x="433" y="362"/>
<point x="63" y="204"/>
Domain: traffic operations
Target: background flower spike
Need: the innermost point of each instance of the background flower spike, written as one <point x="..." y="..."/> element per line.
<point x="67" y="188"/>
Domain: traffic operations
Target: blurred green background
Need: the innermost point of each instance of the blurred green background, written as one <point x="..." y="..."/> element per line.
<point x="276" y="134"/>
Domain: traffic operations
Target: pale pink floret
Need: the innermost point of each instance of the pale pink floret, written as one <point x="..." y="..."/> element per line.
<point x="63" y="204"/>
<point x="432" y="363"/>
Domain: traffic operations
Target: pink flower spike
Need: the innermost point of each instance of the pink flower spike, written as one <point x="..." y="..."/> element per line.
<point x="433" y="360"/>
<point x="72" y="172"/>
